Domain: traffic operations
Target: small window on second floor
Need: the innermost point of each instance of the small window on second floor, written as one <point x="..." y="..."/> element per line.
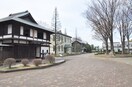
<point x="62" y="48"/>
<point x="27" y="32"/>
<point x="61" y="38"/>
<point x="53" y="37"/>
<point x="58" y="48"/>
<point x="40" y="35"/>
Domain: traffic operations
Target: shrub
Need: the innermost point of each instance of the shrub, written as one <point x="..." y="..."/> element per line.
<point x="44" y="61"/>
<point x="37" y="62"/>
<point x="96" y="53"/>
<point x="25" y="62"/>
<point x="9" y="62"/>
<point x="50" y="59"/>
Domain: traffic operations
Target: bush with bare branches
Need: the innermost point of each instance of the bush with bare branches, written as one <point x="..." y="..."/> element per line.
<point x="37" y="62"/>
<point x="9" y="62"/>
<point x="50" y="59"/>
<point x="25" y="62"/>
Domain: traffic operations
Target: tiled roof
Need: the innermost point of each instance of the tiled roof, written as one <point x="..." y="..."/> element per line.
<point x="64" y="34"/>
<point x="16" y="17"/>
<point x="19" y="14"/>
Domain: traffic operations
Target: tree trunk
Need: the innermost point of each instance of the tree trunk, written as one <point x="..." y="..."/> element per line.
<point x="122" y="43"/>
<point x="111" y="43"/>
<point x="106" y="44"/>
<point x="123" y="47"/>
<point x="128" y="44"/>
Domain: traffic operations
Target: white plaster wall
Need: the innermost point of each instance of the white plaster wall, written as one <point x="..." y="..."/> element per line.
<point x="35" y="33"/>
<point x="31" y="32"/>
<point x="9" y="29"/>
<point x="7" y="36"/>
<point x="44" y="35"/>
<point x="21" y="30"/>
<point x="45" y="49"/>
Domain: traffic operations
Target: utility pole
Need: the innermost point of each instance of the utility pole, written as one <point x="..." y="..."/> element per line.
<point x="76" y="41"/>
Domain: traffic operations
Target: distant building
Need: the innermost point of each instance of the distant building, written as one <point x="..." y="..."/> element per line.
<point x="130" y="46"/>
<point x="117" y="47"/>
<point x="21" y="37"/>
<point x="78" y="45"/>
<point x="63" y="43"/>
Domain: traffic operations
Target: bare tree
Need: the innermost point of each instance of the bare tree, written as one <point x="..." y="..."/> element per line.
<point x="124" y="24"/>
<point x="99" y="25"/>
<point x="109" y="8"/>
<point x="100" y="36"/>
<point x="122" y="28"/>
<point x="103" y="13"/>
<point x="56" y="25"/>
<point x="128" y="13"/>
<point x="129" y="32"/>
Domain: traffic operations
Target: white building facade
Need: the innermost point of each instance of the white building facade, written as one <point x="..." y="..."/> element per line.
<point x="117" y="47"/>
<point x="63" y="43"/>
<point x="130" y="46"/>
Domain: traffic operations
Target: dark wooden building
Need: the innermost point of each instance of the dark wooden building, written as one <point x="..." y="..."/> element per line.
<point x="76" y="46"/>
<point x="22" y="37"/>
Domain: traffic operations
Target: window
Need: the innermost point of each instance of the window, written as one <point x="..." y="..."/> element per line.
<point x="58" y="48"/>
<point x="40" y="35"/>
<point x="9" y="31"/>
<point x="53" y="37"/>
<point x="65" y="39"/>
<point x="53" y="47"/>
<point x="61" y="47"/>
<point x="21" y="30"/>
<point x="58" y="37"/>
<point x="47" y="51"/>
<point x="26" y="32"/>
<point x="61" y="38"/>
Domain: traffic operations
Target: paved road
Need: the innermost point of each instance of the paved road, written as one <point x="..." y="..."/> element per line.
<point x="78" y="71"/>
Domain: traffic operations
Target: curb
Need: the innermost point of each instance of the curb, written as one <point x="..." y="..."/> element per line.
<point x="34" y="68"/>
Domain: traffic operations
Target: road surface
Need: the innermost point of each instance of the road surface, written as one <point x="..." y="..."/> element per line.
<point x="78" y="71"/>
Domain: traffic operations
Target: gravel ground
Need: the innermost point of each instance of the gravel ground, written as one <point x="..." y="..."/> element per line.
<point x="78" y="71"/>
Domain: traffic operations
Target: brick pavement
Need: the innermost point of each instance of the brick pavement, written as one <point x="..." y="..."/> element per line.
<point x="78" y="71"/>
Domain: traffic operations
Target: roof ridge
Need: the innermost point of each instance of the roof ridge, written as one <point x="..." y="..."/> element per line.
<point x="19" y="13"/>
<point x="31" y="23"/>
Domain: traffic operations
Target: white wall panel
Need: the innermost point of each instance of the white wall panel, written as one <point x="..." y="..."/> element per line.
<point x="9" y="29"/>
<point x="21" y="30"/>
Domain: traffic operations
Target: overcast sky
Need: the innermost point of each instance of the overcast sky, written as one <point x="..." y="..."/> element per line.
<point x="70" y="14"/>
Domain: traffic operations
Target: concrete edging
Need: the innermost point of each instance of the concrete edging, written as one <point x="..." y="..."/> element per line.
<point x="33" y="68"/>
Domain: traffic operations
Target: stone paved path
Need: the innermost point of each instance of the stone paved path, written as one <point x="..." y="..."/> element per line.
<point x="78" y="71"/>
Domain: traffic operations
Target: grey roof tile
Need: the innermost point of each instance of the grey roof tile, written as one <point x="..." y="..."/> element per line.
<point x="17" y="16"/>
